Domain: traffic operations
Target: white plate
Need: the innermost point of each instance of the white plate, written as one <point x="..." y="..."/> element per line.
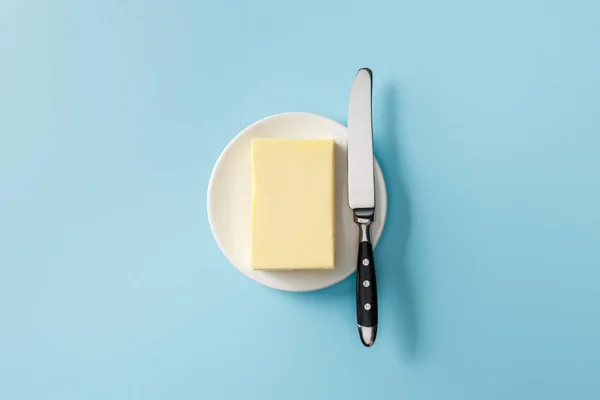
<point x="229" y="201"/>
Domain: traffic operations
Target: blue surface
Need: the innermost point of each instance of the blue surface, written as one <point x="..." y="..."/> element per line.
<point x="487" y="127"/>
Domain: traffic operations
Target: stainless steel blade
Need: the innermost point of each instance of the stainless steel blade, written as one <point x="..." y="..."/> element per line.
<point x="361" y="182"/>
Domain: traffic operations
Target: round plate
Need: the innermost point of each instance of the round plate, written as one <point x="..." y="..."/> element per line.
<point x="229" y="202"/>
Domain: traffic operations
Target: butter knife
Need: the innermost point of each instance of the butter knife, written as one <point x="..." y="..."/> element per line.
<point x="361" y="198"/>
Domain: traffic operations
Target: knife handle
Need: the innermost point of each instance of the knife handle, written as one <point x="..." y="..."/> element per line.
<point x="366" y="286"/>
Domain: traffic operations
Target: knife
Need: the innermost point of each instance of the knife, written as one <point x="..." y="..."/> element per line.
<point x="361" y="198"/>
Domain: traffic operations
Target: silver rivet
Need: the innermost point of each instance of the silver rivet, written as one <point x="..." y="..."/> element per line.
<point x="366" y="283"/>
<point x="366" y="262"/>
<point x="367" y="306"/>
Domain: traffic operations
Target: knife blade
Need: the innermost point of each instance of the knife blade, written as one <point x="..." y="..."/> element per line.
<point x="361" y="198"/>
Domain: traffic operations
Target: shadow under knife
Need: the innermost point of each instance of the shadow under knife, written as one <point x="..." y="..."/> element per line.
<point x="394" y="272"/>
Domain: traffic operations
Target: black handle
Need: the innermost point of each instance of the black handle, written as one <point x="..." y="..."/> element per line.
<point x="366" y="290"/>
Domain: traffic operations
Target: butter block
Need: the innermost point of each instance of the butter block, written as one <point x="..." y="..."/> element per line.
<point x="293" y="196"/>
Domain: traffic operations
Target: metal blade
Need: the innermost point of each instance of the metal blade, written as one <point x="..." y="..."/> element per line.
<point x="361" y="182"/>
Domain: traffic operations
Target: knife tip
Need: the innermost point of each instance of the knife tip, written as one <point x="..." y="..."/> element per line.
<point x="365" y="69"/>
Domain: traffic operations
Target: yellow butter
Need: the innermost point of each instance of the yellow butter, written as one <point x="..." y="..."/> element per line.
<point x="293" y="196"/>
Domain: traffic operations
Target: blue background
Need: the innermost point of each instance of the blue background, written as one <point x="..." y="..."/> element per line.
<point x="487" y="127"/>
